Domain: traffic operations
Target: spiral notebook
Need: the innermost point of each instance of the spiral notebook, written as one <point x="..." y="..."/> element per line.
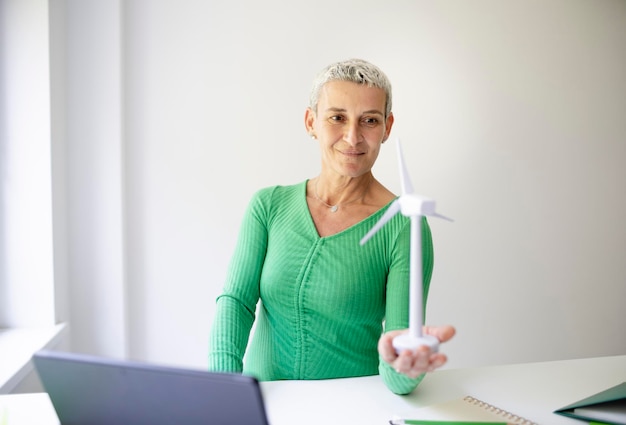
<point x="463" y="409"/>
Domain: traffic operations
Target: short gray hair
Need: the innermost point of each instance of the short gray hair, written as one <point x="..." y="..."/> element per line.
<point x="355" y="71"/>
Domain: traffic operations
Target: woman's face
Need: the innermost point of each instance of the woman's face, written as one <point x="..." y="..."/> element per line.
<point x="350" y="126"/>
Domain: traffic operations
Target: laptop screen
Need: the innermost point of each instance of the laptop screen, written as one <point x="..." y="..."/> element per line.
<point x="94" y="390"/>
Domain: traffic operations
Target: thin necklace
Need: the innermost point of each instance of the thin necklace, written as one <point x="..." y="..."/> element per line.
<point x="335" y="208"/>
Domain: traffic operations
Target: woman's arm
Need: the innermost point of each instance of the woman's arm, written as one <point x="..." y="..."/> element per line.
<point x="235" y="308"/>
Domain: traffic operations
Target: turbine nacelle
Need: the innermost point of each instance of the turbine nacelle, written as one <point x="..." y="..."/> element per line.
<point x="411" y="205"/>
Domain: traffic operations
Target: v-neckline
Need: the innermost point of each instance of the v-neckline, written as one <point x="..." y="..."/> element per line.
<point x="375" y="216"/>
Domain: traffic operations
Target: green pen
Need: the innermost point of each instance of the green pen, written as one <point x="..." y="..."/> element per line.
<point x="428" y="422"/>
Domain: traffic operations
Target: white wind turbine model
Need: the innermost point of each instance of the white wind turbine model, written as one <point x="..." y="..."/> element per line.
<point x="414" y="207"/>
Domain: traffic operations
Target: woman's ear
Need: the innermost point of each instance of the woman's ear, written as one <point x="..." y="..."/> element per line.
<point x="388" y="125"/>
<point x="309" y="122"/>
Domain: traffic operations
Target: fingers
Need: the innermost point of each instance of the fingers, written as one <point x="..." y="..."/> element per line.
<point x="437" y="361"/>
<point x="414" y="363"/>
<point x="442" y="333"/>
<point x="385" y="347"/>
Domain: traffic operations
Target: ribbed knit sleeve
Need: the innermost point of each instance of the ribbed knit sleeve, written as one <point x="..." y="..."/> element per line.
<point x="235" y="308"/>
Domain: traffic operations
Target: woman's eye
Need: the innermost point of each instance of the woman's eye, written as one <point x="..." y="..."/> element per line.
<point x="370" y="121"/>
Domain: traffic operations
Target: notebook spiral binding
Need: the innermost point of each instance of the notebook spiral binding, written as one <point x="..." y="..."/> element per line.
<point x="500" y="412"/>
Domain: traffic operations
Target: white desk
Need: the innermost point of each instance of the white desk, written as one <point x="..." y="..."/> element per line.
<point x="532" y="390"/>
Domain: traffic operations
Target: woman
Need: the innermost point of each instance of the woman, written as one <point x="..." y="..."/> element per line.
<point x="324" y="297"/>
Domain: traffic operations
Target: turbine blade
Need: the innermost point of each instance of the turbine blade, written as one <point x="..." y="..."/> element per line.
<point x="393" y="209"/>
<point x="441" y="216"/>
<point x="405" y="179"/>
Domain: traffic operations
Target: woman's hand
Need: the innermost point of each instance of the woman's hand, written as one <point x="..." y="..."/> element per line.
<point x="414" y="363"/>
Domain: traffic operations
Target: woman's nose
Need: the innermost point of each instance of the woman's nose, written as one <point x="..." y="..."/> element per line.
<point x="353" y="134"/>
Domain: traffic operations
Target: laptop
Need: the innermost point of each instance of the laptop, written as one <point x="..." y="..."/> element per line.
<point x="89" y="390"/>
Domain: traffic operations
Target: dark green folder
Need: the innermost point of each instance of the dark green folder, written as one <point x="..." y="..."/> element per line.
<point x="608" y="407"/>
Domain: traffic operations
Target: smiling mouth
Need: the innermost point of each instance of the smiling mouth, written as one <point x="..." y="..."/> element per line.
<point x="352" y="153"/>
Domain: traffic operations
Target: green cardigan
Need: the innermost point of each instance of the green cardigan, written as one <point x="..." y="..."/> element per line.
<point x="324" y="300"/>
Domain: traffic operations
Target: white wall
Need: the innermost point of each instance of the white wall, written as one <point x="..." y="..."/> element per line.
<point x="88" y="141"/>
<point x="25" y="193"/>
<point x="511" y="115"/>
